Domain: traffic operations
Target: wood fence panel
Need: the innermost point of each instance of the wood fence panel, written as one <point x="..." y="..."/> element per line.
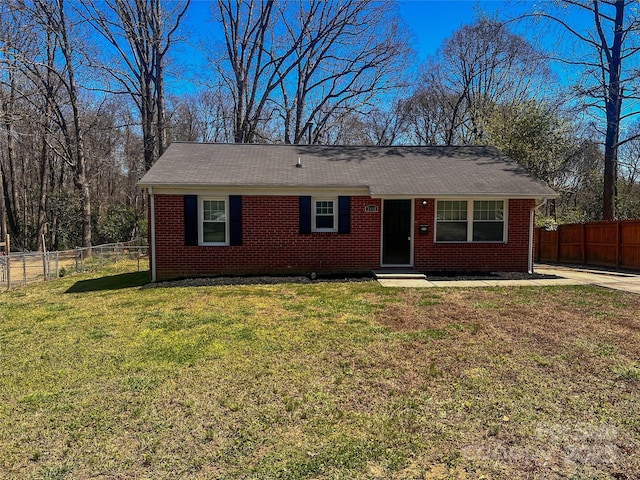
<point x="604" y="244"/>
<point x="630" y="245"/>
<point x="548" y="246"/>
<point x="570" y="244"/>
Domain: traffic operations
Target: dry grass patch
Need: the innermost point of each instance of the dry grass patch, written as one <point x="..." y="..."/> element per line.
<point x="547" y="375"/>
<point x="104" y="379"/>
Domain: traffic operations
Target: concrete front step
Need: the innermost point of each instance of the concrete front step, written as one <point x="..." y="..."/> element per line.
<point x="398" y="275"/>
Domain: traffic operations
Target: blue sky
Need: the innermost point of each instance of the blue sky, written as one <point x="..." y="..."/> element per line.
<point x="430" y="20"/>
<point x="433" y="21"/>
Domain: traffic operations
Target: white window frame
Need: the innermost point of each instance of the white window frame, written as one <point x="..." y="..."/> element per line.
<point x="465" y="221"/>
<point x="314" y="201"/>
<point x="470" y="221"/>
<point x="201" y="220"/>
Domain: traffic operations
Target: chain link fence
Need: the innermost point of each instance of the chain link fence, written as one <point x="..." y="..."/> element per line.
<point x="28" y="267"/>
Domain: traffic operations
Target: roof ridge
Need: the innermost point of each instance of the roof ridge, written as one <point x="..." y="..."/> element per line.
<point x="189" y="142"/>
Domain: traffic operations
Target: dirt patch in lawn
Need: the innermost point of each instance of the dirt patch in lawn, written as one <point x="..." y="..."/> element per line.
<point x="518" y="313"/>
<point x="571" y="358"/>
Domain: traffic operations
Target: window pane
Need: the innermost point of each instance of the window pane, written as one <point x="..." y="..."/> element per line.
<point x="324" y="207"/>
<point x="488" y="231"/>
<point x="488" y="210"/>
<point x="452" y="210"/>
<point x="452" y="232"/>
<point x="213" y="210"/>
<point x="324" y="214"/>
<point x="213" y="232"/>
<point x="324" y="221"/>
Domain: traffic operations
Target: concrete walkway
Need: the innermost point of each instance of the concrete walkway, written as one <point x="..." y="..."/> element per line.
<point x="628" y="282"/>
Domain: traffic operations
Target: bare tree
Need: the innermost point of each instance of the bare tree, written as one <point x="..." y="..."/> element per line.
<point x="9" y="113"/>
<point x="387" y="127"/>
<point x="305" y="61"/>
<point x="141" y="32"/>
<point x="488" y="66"/>
<point x="56" y="18"/>
<point x="11" y="199"/>
<point x="48" y="86"/>
<point x="49" y="119"/>
<point x="479" y="67"/>
<point x="349" y="53"/>
<point x="44" y="80"/>
<point x="434" y="115"/>
<point x="201" y="117"/>
<point x="215" y="110"/>
<point x="252" y="65"/>
<point x="606" y="59"/>
<point x="628" y="198"/>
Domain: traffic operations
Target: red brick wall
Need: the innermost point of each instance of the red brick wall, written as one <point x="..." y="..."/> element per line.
<point x="270" y="241"/>
<point x="272" y="244"/>
<point x="506" y="257"/>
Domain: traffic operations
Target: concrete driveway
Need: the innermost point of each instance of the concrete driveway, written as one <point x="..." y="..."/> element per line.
<point x="628" y="282"/>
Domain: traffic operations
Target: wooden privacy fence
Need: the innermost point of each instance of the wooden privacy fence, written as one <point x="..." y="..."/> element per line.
<point x="603" y="244"/>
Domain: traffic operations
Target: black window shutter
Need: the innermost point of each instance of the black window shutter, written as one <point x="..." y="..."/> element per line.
<point x="191" y="220"/>
<point x="235" y="220"/>
<point x="344" y="214"/>
<point x="305" y="214"/>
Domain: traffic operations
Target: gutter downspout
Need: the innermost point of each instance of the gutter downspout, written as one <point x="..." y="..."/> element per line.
<point x="152" y="205"/>
<point x="532" y="214"/>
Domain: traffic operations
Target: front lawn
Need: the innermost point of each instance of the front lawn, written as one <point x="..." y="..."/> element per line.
<point x="100" y="378"/>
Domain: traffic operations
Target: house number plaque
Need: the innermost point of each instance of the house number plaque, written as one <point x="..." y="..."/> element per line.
<point x="370" y="208"/>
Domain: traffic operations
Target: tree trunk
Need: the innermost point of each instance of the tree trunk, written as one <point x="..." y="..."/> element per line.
<point x="613" y="106"/>
<point x="44" y="154"/>
<point x="12" y="203"/>
<point x="148" y="120"/>
<point x="3" y="214"/>
<point x="44" y="188"/>
<point x="80" y="174"/>
<point x="156" y="41"/>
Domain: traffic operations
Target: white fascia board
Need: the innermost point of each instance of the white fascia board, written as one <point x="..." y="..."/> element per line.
<point x="453" y="196"/>
<point x="335" y="190"/>
<point x="330" y="190"/>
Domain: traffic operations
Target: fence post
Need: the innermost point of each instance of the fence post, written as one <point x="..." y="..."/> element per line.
<point x="57" y="265"/>
<point x="44" y="266"/>
<point x="618" y="244"/>
<point x="8" y="248"/>
<point x="584" y="243"/>
<point x="24" y="269"/>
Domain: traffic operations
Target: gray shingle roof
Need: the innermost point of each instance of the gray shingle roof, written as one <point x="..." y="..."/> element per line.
<point x="385" y="171"/>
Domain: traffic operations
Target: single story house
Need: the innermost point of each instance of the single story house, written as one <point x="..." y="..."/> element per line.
<point x="234" y="209"/>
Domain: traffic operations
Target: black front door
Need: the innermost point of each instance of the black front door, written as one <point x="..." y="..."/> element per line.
<point x="396" y="232"/>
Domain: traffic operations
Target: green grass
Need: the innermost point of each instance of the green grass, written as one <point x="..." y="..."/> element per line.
<point x="103" y="378"/>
